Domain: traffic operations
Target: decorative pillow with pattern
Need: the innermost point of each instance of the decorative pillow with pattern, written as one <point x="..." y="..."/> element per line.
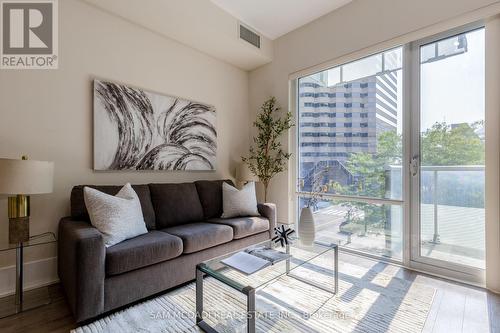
<point x="117" y="217"/>
<point x="239" y="202"/>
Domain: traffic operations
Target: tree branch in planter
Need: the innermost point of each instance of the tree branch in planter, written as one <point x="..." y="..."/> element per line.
<point x="318" y="186"/>
<point x="266" y="157"/>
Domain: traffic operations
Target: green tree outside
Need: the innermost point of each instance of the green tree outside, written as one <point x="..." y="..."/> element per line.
<point x="441" y="145"/>
<point x="460" y="145"/>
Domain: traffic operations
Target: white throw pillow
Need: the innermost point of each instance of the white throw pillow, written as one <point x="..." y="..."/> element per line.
<point x="239" y="202"/>
<point x="117" y="217"/>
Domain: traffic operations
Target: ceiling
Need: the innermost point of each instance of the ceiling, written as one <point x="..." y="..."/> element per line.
<point x="212" y="26"/>
<point x="274" y="18"/>
<point x="199" y="24"/>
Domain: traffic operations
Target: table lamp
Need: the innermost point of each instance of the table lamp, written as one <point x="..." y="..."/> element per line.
<point x="19" y="179"/>
<point x="244" y="175"/>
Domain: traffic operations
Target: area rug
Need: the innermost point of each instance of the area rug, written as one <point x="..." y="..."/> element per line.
<point x="368" y="301"/>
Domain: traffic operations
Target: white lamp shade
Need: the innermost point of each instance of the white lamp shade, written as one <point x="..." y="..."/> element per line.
<point x="243" y="173"/>
<point x="26" y="176"/>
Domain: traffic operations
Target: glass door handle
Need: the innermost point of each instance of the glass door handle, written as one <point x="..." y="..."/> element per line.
<point x="414" y="165"/>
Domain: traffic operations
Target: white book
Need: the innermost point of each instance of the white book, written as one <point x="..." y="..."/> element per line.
<point x="268" y="254"/>
<point x="245" y="263"/>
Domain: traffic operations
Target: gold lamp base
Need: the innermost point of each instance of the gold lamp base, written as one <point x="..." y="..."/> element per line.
<point x="19" y="216"/>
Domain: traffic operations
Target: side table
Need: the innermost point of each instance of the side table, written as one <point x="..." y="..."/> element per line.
<point x="11" y="305"/>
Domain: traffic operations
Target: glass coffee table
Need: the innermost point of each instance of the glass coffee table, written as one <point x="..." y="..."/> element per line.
<point x="299" y="266"/>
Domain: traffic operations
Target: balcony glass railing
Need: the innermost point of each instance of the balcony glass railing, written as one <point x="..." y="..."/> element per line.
<point x="451" y="216"/>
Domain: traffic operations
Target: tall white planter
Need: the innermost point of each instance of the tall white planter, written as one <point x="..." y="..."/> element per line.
<point x="307" y="230"/>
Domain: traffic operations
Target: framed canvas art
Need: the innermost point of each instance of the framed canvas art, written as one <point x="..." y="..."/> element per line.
<point x="136" y="129"/>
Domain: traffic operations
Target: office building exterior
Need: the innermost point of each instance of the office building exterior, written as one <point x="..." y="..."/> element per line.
<point x="344" y="118"/>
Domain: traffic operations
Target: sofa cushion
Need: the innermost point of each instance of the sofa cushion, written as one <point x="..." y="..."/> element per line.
<point x="210" y="193"/>
<point x="175" y="204"/>
<point x="79" y="210"/>
<point x="199" y="236"/>
<point x="237" y="202"/>
<point x="244" y="226"/>
<point x="117" y="217"/>
<point x="141" y="251"/>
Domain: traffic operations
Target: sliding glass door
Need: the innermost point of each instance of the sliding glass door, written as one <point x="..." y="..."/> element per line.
<point x="449" y="150"/>
<point x="392" y="146"/>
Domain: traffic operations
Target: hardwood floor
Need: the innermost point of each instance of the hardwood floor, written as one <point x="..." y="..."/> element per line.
<point x="54" y="317"/>
<point x="456" y="307"/>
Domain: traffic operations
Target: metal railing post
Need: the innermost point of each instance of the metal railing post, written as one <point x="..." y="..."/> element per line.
<point x="435" y="237"/>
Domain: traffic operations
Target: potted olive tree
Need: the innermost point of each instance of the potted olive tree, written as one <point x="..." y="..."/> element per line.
<point x="266" y="157"/>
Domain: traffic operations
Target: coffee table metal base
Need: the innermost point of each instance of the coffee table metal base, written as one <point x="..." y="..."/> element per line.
<point x="250" y="292"/>
<point x="335" y="290"/>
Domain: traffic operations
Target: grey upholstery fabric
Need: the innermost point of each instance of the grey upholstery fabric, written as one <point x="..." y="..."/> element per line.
<point x="141" y="251"/>
<point x="239" y="202"/>
<point x="210" y="193"/>
<point x="117" y="217"/>
<point x="175" y="204"/>
<point x="135" y="285"/>
<point x="133" y="275"/>
<point x="268" y="210"/>
<point x="81" y="255"/>
<point x="79" y="210"/>
<point x="244" y="226"/>
<point x="200" y="236"/>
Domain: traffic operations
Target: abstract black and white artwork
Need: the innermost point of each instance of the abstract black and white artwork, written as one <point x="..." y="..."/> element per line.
<point x="140" y="130"/>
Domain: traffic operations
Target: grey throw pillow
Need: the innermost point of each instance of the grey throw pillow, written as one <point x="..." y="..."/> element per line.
<point x="117" y="217"/>
<point x="239" y="202"/>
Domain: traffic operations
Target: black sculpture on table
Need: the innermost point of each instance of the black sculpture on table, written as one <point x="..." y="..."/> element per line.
<point x="282" y="235"/>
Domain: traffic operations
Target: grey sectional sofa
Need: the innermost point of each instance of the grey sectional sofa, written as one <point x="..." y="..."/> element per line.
<point x="185" y="228"/>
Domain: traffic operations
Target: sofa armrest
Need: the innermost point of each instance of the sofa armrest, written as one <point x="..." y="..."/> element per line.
<point x="268" y="210"/>
<point x="81" y="255"/>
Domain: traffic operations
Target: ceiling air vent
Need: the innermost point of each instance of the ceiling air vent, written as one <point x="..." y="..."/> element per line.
<point x="249" y="36"/>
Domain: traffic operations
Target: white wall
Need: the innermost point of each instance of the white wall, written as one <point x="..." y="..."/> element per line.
<point x="492" y="40"/>
<point x="357" y="28"/>
<point x="47" y="114"/>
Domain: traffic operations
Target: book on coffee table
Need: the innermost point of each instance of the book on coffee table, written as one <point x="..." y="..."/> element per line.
<point x="268" y="254"/>
<point x="254" y="259"/>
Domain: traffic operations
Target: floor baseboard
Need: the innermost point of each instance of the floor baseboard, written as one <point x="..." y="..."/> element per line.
<point x="38" y="273"/>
